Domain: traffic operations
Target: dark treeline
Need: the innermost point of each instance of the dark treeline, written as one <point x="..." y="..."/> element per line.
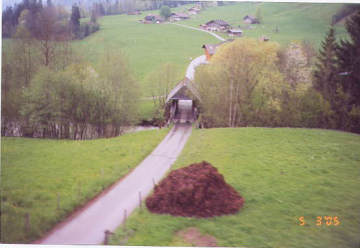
<point x="337" y="76"/>
<point x="345" y="11"/>
<point x="67" y="18"/>
<point x="252" y="83"/>
<point x="34" y="16"/>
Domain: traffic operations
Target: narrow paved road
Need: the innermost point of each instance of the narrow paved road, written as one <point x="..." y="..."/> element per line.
<point x="202" y="30"/>
<point x="88" y="225"/>
<point x="190" y="71"/>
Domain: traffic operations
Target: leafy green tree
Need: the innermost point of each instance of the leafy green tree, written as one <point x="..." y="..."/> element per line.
<point x="162" y="80"/>
<point x="242" y="85"/>
<point x="121" y="90"/>
<point x="295" y="66"/>
<point x="165" y="12"/>
<point x="42" y="107"/>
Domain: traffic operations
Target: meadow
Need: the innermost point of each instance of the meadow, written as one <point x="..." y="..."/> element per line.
<point x="283" y="174"/>
<point x="49" y="179"/>
<point x="146" y="46"/>
<point x="295" y="21"/>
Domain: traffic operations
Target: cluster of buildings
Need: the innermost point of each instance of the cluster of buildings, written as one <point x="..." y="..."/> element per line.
<point x="213" y="25"/>
<point x="149" y="19"/>
<point x="223" y="26"/>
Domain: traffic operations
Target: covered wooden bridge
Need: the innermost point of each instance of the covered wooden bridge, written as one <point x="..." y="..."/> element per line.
<point x="182" y="102"/>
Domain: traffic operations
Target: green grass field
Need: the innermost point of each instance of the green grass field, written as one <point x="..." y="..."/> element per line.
<point x="295" y="21"/>
<point x="146" y="46"/>
<point x="283" y="174"/>
<point x="34" y="171"/>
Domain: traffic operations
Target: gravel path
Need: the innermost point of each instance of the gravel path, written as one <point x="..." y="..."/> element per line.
<point x="106" y="212"/>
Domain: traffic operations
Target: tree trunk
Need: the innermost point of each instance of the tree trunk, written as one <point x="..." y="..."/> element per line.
<point x="230" y="103"/>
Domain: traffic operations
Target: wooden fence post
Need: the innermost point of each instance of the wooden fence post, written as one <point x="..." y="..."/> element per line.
<point x="79" y="191"/>
<point x="58" y="201"/>
<point x="125" y="217"/>
<point x="27" y="222"/>
<point x="107" y="235"/>
<point x="102" y="178"/>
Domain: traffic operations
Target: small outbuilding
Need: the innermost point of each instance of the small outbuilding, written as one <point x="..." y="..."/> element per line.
<point x="153" y="19"/>
<point x="194" y="10"/>
<point x="149" y="18"/>
<point x="264" y="38"/>
<point x="250" y="20"/>
<point x="210" y="49"/>
<point x="178" y="16"/>
<point x="235" y="32"/>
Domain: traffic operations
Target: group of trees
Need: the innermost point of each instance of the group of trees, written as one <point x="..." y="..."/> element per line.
<point x="50" y="91"/>
<point x="253" y="83"/>
<point x="337" y="75"/>
<point x="45" y="21"/>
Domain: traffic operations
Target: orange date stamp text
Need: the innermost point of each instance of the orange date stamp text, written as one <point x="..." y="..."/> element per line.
<point x="321" y="221"/>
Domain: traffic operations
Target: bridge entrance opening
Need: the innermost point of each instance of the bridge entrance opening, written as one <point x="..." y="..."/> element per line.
<point x="184" y="112"/>
<point x="182" y="102"/>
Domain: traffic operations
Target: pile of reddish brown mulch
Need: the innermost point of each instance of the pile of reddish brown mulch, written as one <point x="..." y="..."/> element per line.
<point x="197" y="190"/>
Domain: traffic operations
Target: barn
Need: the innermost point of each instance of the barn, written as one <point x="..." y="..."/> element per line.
<point x="217" y="25"/>
<point x="235" y="32"/>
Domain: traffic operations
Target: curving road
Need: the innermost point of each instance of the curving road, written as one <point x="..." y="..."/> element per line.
<point x="106" y="212"/>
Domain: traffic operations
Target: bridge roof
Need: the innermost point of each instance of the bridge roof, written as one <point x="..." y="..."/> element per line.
<point x="175" y="92"/>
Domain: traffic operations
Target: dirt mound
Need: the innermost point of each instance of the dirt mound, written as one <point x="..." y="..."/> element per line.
<point x="197" y="190"/>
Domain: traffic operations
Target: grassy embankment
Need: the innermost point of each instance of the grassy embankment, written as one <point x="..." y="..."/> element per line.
<point x="283" y="174"/>
<point x="295" y="21"/>
<point x="34" y="172"/>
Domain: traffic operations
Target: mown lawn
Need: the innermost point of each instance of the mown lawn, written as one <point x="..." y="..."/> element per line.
<point x="35" y="172"/>
<point x="283" y="174"/>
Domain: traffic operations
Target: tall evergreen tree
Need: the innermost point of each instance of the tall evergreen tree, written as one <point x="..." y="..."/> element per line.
<point x="75" y="19"/>
<point x="349" y="59"/>
<point x="325" y="72"/>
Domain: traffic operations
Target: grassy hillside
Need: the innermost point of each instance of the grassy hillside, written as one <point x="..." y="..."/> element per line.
<point x="147" y="46"/>
<point x="283" y="174"/>
<point x="34" y="172"/>
<point x="295" y="21"/>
